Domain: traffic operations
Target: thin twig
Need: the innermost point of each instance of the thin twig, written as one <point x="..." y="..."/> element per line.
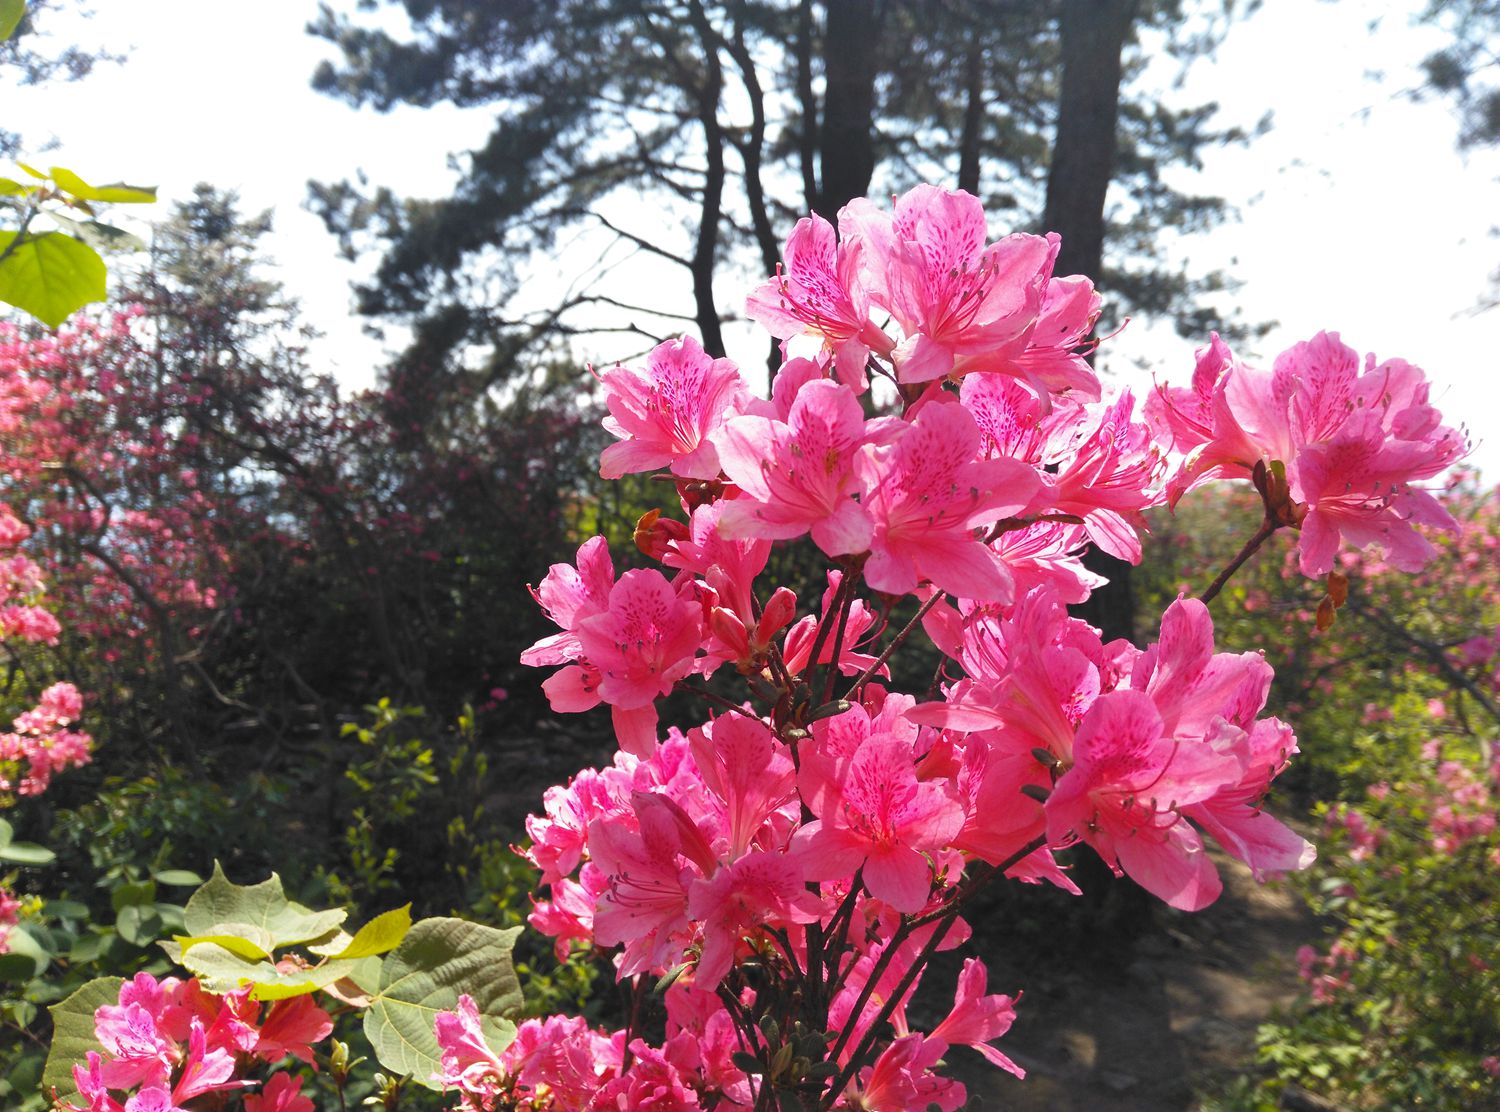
<point x="1267" y="527"/>
<point x="896" y="643"/>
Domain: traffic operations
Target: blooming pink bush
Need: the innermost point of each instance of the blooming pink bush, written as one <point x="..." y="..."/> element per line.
<point x="787" y="867"/>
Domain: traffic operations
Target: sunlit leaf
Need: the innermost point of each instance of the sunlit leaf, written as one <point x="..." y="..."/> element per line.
<point x="27" y="853"/>
<point x="50" y="276"/>
<point x="262" y="905"/>
<point x="381" y="934"/>
<point x="116" y="193"/>
<point x="241" y="939"/>
<point x="11" y="14"/>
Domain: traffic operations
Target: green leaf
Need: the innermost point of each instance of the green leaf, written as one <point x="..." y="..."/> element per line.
<point x="262" y="905"/>
<point x="179" y="877"/>
<point x="7" y="832"/>
<point x="23" y="945"/>
<point x="139" y="924"/>
<point x="50" y="276"/>
<point x="439" y="960"/>
<point x="67" y="909"/>
<point x="27" y="853"/>
<point x="133" y="894"/>
<point x="219" y="969"/>
<point x="379" y="935"/>
<point x="114" y="194"/>
<point x="106" y="239"/>
<point x="73" y="1032"/>
<point x="243" y="940"/>
<point x="11" y="14"/>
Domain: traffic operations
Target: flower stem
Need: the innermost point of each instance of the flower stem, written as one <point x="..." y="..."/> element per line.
<point x="1267" y="527"/>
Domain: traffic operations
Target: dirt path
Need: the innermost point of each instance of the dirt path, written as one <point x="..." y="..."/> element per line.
<point x="1138" y="1039"/>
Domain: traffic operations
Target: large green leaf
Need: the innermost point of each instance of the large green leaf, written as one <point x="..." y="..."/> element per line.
<point x="220" y="904"/>
<point x="73" y="1032"/>
<point x="437" y="961"/>
<point x="11" y="14"/>
<point x="49" y="276"/>
<point x="114" y="194"/>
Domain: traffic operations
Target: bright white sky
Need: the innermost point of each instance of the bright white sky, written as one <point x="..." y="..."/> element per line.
<point x="1357" y="214"/>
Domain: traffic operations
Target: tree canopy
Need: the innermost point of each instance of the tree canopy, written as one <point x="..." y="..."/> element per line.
<point x="737" y="116"/>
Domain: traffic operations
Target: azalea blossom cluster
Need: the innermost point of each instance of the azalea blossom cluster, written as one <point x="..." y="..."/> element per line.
<point x="788" y="866"/>
<point x="168" y="1042"/>
<point x="41" y="741"/>
<point x="83" y="433"/>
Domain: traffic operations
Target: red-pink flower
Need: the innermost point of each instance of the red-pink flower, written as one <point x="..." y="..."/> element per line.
<point x="760" y="890"/>
<point x="958" y="300"/>
<point x="882" y="819"/>
<point x="978" y="1018"/>
<point x="1124" y="794"/>
<point x="283" y="1093"/>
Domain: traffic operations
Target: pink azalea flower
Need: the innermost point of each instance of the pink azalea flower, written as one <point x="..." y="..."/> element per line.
<point x="927" y="494"/>
<point x="644" y="642"/>
<point x="958" y="300"/>
<point x="798" y="475"/>
<point x="759" y="890"/>
<point x="1124" y="794"/>
<point x="882" y="819"/>
<point x="1107" y="477"/>
<point x="653" y="1082"/>
<point x="89" y="1078"/>
<point x="901" y="1080"/>
<point x="567" y="596"/>
<point x="649" y="871"/>
<point x="468" y="1063"/>
<point x="818" y="291"/>
<point x="797" y="646"/>
<point x="746" y="768"/>
<point x="204" y="1070"/>
<point x="1352" y="443"/>
<point x="667" y="414"/>
<point x="1233" y="814"/>
<point x="978" y="1018"/>
<point x="153" y="1098"/>
<point x="562" y="1059"/>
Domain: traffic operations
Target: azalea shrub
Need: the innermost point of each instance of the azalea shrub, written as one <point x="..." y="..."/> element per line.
<point x="772" y="870"/>
<point x="1402" y="1008"/>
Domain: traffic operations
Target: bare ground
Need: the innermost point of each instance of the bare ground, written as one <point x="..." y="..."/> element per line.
<point x="1142" y="1037"/>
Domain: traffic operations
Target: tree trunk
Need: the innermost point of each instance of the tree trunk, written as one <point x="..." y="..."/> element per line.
<point x="1093" y="34"/>
<point x="847" y="135"/>
<point x="969" y="140"/>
